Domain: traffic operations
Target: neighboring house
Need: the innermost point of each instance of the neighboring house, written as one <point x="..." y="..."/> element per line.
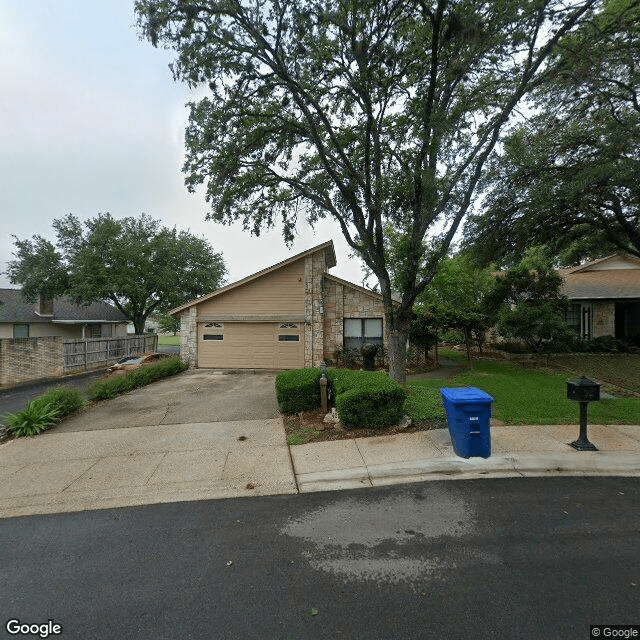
<point x="605" y="297"/>
<point x="292" y="314"/>
<point x="57" y="317"/>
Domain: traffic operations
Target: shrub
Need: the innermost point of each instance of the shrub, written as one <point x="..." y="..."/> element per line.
<point x="32" y="420"/>
<point x="367" y="398"/>
<point x="106" y="389"/>
<point x="65" y="399"/>
<point x="349" y="358"/>
<point x="43" y="412"/>
<point x="451" y="336"/>
<point x="298" y="390"/>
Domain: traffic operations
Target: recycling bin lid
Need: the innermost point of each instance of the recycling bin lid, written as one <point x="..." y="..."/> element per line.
<point x="465" y="394"/>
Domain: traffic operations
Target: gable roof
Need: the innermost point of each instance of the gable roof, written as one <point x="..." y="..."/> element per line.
<point x="330" y="261"/>
<point x="14" y="309"/>
<point x="357" y="287"/>
<point x="593" y="280"/>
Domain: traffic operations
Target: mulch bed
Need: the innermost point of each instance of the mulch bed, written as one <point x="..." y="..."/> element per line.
<point x="327" y="431"/>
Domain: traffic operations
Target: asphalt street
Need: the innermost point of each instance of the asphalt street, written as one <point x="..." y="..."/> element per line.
<point x="504" y="558"/>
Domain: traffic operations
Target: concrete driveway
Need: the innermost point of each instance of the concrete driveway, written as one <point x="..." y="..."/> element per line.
<point x="195" y="436"/>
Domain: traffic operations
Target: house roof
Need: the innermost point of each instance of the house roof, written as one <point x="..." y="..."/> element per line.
<point x="330" y="259"/>
<point x="613" y="277"/>
<point x="15" y="310"/>
<point x="346" y="283"/>
<point x="618" y="283"/>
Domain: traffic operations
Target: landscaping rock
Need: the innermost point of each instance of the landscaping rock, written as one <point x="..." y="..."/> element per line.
<point x="405" y="423"/>
<point x="332" y="416"/>
<point x="4" y="435"/>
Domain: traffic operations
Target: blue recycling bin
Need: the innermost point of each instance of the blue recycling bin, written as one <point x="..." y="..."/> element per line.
<point x="468" y="414"/>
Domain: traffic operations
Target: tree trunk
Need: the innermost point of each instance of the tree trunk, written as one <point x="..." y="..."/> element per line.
<point x="466" y="342"/>
<point x="436" y="350"/>
<point x="138" y="323"/>
<point x="397" y="356"/>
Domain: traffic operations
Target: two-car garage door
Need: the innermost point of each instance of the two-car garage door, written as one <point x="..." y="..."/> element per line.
<point x="250" y="345"/>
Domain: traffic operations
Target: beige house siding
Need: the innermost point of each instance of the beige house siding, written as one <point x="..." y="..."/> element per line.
<point x="280" y="292"/>
<point x="251" y="312"/>
<point x="50" y="329"/>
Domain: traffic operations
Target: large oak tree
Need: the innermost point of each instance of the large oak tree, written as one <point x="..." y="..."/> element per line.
<point x="362" y="111"/>
<point x="568" y="177"/>
<point x="135" y="263"/>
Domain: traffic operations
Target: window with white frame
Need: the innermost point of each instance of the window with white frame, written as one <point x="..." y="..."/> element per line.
<point x="358" y="331"/>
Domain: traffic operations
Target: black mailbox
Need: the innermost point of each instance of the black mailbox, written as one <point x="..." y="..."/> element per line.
<point x="583" y="390"/>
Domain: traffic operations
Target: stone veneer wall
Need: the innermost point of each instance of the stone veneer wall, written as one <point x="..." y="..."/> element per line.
<point x="604" y="319"/>
<point x="30" y="359"/>
<point x="189" y="336"/>
<point x="314" y="269"/>
<point x="344" y="302"/>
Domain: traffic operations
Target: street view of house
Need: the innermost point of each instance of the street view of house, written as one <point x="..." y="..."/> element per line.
<point x="329" y="329"/>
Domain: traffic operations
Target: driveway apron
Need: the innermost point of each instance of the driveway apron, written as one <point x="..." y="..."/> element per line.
<point x="195" y="436"/>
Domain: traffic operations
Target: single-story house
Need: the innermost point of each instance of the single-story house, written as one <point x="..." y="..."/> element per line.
<point x="57" y="317"/>
<point x="605" y="297"/>
<point x="291" y="314"/>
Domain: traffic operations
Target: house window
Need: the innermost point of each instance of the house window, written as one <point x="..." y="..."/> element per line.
<point x="358" y="331"/>
<point x="95" y="331"/>
<point x="20" y="330"/>
<point x="216" y="325"/>
<point x="572" y="317"/>
<point x="213" y="336"/>
<point x="288" y="325"/>
<point x="283" y="337"/>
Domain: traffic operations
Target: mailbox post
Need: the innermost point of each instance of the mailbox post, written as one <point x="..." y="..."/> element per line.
<point x="583" y="391"/>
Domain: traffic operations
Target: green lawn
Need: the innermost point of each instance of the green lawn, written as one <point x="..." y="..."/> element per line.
<point x="169" y="340"/>
<point x="522" y="396"/>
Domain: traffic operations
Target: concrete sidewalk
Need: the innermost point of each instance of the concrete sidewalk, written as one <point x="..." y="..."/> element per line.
<point x="429" y="455"/>
<point x="76" y="471"/>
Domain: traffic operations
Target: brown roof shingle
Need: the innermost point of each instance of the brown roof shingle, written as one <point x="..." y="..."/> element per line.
<point x="605" y="284"/>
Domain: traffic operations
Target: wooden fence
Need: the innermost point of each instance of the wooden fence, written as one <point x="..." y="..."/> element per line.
<point x="79" y="355"/>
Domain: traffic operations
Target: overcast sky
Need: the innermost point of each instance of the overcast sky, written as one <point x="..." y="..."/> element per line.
<point x="91" y="121"/>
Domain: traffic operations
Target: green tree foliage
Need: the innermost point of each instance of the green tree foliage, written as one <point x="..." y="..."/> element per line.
<point x="460" y="296"/>
<point x="169" y="324"/>
<point x="361" y="111"/>
<point x="529" y="304"/>
<point x="134" y="263"/>
<point x="568" y="177"/>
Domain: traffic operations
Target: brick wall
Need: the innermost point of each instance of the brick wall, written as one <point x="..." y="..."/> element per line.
<point x="30" y="359"/>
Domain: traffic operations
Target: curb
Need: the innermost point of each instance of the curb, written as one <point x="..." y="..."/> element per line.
<point x="587" y="463"/>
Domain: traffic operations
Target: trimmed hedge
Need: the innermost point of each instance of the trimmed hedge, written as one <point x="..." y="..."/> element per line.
<point x="43" y="412"/>
<point x="298" y="390"/>
<point x="107" y="389"/>
<point x="367" y="398"/>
